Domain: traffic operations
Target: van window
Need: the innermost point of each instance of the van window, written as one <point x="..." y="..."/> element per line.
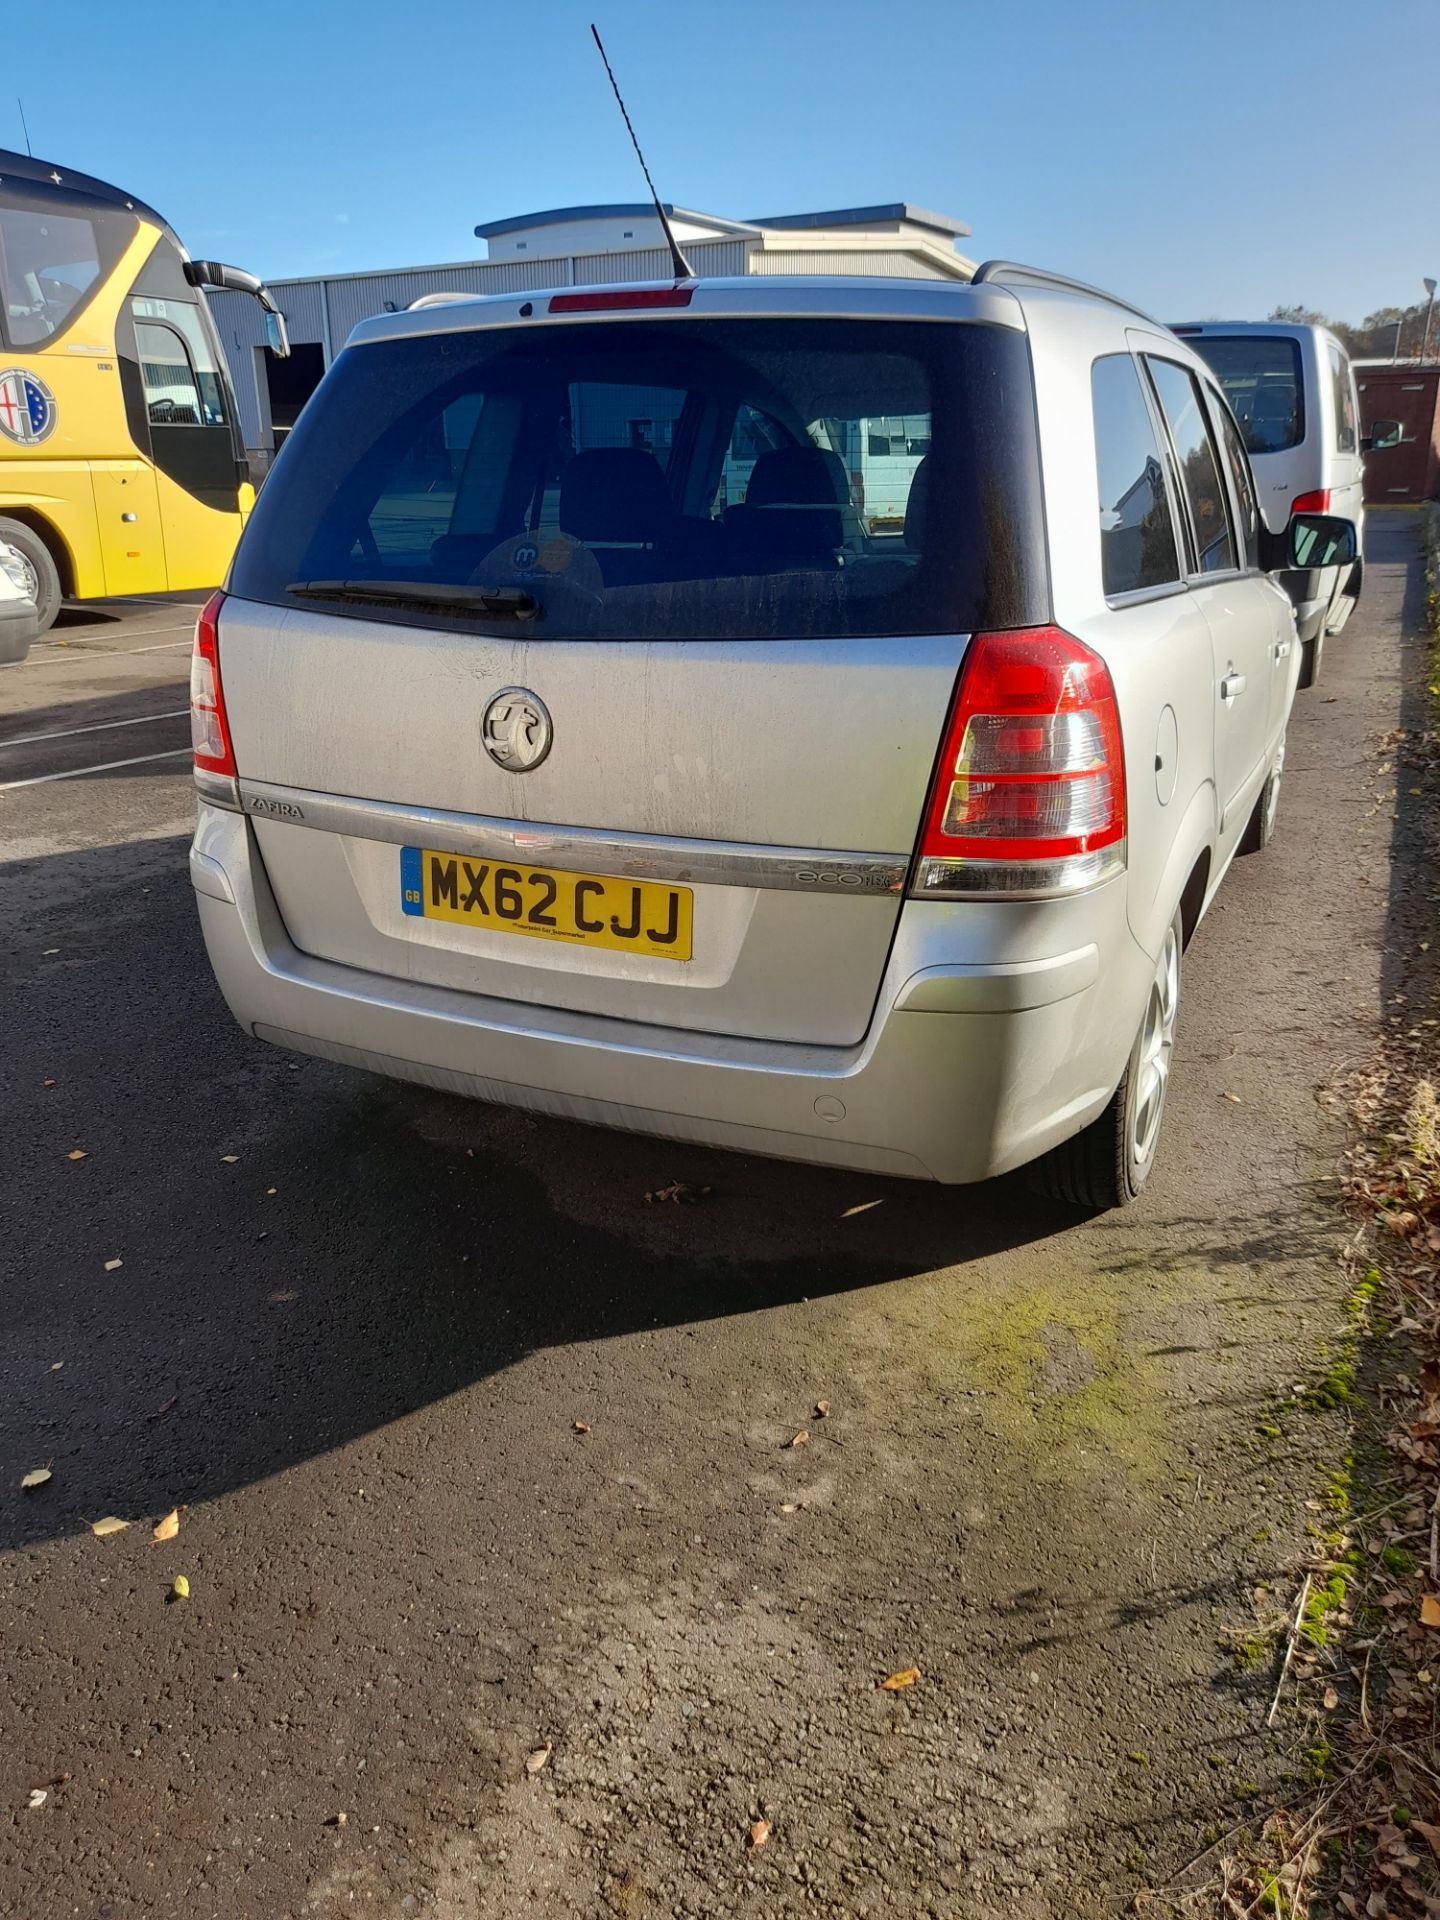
<point x="1263" y="383"/>
<point x="1137" y="529"/>
<point x="1237" y="465"/>
<point x="1346" y="439"/>
<point x="1194" y="444"/>
<point x="678" y="479"/>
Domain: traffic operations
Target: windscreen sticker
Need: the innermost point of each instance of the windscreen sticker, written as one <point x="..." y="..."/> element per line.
<point x="27" y="407"/>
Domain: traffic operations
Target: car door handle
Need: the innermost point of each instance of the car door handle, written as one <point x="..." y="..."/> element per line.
<point x="1282" y="649"/>
<point x="1232" y="686"/>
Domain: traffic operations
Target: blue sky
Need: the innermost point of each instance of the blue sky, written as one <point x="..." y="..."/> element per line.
<point x="1196" y="159"/>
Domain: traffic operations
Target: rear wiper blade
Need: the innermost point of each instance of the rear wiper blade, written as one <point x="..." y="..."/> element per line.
<point x="512" y="603"/>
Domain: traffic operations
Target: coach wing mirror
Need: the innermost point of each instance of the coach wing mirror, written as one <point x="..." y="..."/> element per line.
<point x="1383" y="435"/>
<point x="215" y="273"/>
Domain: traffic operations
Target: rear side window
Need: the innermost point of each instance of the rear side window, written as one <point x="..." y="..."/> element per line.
<point x="1137" y="528"/>
<point x="681" y="479"/>
<point x="1263" y="383"/>
<point x="1346" y="439"/>
<point x="1190" y="434"/>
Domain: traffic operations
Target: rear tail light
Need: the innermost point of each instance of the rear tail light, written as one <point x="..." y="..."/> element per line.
<point x="215" y="770"/>
<point x="1317" y="502"/>
<point x="1029" y="794"/>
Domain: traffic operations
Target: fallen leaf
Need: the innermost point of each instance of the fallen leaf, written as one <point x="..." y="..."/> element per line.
<point x="894" y="1682"/>
<point x="111" y="1265"/>
<point x="1430" y="1835"/>
<point x="1430" y="1610"/>
<point x="337" y="1820"/>
<point x="1234" y="1099"/>
<point x="100" y="1528"/>
<point x="76" y="1153"/>
<point x="180" y="1590"/>
<point x="791" y="1506"/>
<point x="36" y="1477"/>
<point x="282" y="1295"/>
<point x="822" y="1409"/>
<point x="538" y="1758"/>
<point x="47" y="1083"/>
<point x="801" y="1439"/>
<point x="864" y="1207"/>
<point x="678" y="1193"/>
<point x="269" y="1190"/>
<point x="45" y="952"/>
<point x="38" y="1797"/>
<point x="580" y="1426"/>
<point x="759" y="1833"/>
<point x="1332" y="1699"/>
<point x="229" y="1158"/>
<point x="167" y="1528"/>
<point x="55" y="1365"/>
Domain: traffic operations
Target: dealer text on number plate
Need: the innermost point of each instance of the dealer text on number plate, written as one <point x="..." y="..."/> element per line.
<point x="583" y="909"/>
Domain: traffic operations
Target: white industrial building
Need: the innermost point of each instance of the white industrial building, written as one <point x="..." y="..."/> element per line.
<point x="568" y="246"/>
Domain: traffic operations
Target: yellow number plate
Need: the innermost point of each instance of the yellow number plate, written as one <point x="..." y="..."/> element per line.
<point x="584" y="909"/>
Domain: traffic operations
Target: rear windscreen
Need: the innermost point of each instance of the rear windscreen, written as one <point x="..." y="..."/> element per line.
<point x="1262" y="381"/>
<point x="678" y="479"/>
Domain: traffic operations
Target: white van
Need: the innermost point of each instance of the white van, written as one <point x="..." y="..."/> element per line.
<point x="1292" y="390"/>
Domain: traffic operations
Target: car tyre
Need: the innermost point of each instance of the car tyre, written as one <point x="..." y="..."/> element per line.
<point x="1109" y="1163"/>
<point x="1260" y="828"/>
<point x="45" y="588"/>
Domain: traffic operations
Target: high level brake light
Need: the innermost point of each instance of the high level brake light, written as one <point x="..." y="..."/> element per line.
<point x="215" y="771"/>
<point x="1029" y="794"/>
<point x="620" y="300"/>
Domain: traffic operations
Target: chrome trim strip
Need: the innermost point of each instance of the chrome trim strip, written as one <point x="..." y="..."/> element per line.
<point x="713" y="863"/>
<point x="218" y="789"/>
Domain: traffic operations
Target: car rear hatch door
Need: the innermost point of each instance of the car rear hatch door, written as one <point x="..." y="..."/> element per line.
<point x="562" y="665"/>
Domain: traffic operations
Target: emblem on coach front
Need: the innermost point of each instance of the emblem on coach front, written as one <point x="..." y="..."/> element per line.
<point x="516" y="730"/>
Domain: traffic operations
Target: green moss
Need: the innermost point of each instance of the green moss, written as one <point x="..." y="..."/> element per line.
<point x="1335" y="1387"/>
<point x="1217" y="1760"/>
<point x="1138" y="1759"/>
<point x="1061" y="1375"/>
<point x="1326" y="1597"/>
<point x="1319" y="1762"/>
<point x="1260" y="1536"/>
<point x="1135" y="1860"/>
<point x="1253" y="1653"/>
<point x="1402" y="1816"/>
<point x="1397" y="1560"/>
<point x="1269" y="1429"/>
<point x="1246" y="1790"/>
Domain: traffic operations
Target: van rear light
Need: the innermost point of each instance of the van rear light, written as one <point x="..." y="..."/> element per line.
<point x="1029" y="793"/>
<point x="1317" y="502"/>
<point x="215" y="772"/>
<point x="620" y="300"/>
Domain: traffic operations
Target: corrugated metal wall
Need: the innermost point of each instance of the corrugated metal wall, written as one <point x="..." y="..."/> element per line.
<point x="355" y="297"/>
<point x="878" y="266"/>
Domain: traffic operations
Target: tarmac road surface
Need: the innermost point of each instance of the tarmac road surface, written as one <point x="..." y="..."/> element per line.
<point x="479" y="1457"/>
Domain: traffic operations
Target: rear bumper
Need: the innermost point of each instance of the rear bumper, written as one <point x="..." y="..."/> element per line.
<point x="969" y="1069"/>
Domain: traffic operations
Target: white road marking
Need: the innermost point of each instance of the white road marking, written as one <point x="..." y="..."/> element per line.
<point x="97" y="726"/>
<point x="98" y="653"/>
<point x="107" y="766"/>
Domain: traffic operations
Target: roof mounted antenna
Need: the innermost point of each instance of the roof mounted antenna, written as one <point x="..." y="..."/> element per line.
<point x="683" y="269"/>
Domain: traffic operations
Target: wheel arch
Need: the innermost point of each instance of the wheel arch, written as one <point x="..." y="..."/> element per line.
<point x="45" y="530"/>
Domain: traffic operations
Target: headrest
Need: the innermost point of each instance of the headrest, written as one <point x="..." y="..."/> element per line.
<point x="917" y="508"/>
<point x="798" y="477"/>
<point x="614" y="493"/>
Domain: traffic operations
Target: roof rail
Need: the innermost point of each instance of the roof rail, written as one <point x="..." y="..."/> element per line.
<point x="1012" y="270"/>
